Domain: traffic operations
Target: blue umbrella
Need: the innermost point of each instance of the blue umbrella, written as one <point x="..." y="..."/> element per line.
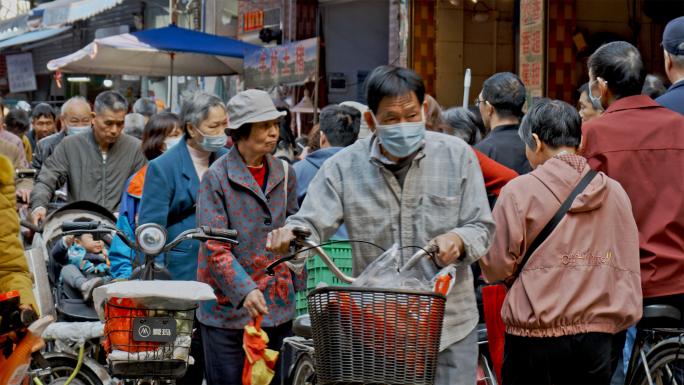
<point x="168" y="51"/>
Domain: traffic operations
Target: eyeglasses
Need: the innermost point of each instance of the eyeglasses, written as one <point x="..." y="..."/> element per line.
<point x="478" y="102"/>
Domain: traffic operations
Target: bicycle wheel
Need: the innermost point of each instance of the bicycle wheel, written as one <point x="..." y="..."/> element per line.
<point x="63" y="367"/>
<point x="304" y="371"/>
<point x="663" y="368"/>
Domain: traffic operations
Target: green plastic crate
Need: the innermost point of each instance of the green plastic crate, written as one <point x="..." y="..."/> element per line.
<point x="317" y="272"/>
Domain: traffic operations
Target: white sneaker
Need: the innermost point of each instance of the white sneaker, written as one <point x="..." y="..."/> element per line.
<point x="88" y="287"/>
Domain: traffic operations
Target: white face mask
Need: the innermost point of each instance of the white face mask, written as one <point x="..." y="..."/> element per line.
<point x="172" y="142"/>
<point x="401" y="139"/>
<point x="76" y="130"/>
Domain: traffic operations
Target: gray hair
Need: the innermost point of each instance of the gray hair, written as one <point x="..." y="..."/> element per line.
<point x="464" y="124"/>
<point x="134" y="124"/>
<point x="556" y="123"/>
<point x="195" y="107"/>
<point x="66" y="104"/>
<point x="678" y="60"/>
<point x="110" y="100"/>
<point x="146" y="107"/>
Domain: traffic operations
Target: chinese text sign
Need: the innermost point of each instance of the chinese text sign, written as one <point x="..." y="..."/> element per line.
<point x="20" y="72"/>
<point x="532" y="48"/>
<point x="283" y="64"/>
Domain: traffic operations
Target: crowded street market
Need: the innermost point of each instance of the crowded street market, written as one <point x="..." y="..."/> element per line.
<point x="320" y="192"/>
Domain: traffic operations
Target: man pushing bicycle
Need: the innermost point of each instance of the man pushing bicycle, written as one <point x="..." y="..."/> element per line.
<point x="407" y="186"/>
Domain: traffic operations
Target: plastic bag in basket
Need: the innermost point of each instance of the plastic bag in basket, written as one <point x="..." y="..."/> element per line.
<point x="118" y="328"/>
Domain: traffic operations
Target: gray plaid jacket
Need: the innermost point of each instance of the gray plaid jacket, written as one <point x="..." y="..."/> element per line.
<point x="443" y="192"/>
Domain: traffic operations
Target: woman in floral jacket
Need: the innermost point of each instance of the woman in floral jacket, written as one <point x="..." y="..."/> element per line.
<point x="246" y="190"/>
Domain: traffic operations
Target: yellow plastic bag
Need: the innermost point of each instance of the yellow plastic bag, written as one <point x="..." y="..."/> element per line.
<point x="260" y="360"/>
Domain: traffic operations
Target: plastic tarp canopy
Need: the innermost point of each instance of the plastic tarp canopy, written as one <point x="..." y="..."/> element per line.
<point x="30" y="37"/>
<point x="148" y="53"/>
<point x="60" y="12"/>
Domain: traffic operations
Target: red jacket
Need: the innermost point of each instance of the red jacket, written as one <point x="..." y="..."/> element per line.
<point x="641" y="145"/>
<point x="495" y="175"/>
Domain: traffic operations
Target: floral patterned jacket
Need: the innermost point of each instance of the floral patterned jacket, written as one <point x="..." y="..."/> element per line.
<point x="230" y="198"/>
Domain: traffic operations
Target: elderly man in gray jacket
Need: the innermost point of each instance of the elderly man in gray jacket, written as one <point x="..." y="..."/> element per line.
<point x="407" y="186"/>
<point x="95" y="164"/>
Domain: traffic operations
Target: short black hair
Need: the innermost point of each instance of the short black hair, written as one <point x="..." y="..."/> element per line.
<point x="340" y="124"/>
<point x="392" y="81"/>
<point x="583" y="88"/>
<point x="464" y="124"/>
<point x="241" y="133"/>
<point x="621" y="65"/>
<point x="156" y="130"/>
<point x="17" y="122"/>
<point x="556" y="123"/>
<point x="43" y="110"/>
<point x="506" y="92"/>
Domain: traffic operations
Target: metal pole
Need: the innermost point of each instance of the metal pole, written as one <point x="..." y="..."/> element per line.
<point x="169" y="92"/>
<point x="466" y="89"/>
<point x="318" y="54"/>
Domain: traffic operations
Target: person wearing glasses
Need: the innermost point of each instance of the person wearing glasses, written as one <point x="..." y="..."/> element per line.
<point x="501" y="102"/>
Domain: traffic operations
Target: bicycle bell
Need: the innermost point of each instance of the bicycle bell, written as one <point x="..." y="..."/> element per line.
<point x="151" y="238"/>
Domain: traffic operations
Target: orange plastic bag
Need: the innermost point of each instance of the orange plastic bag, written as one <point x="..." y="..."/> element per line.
<point x="259" y="360"/>
<point x="118" y="329"/>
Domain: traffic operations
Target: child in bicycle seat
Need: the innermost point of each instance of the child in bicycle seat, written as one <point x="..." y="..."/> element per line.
<point x="85" y="261"/>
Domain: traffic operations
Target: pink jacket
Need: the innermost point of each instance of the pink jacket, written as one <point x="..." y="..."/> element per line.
<point x="585" y="277"/>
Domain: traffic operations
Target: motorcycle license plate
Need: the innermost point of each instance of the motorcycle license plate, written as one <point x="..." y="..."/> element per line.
<point x="153" y="329"/>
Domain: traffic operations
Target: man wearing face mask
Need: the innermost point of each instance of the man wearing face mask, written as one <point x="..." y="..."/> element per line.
<point x="407" y="186"/>
<point x="75" y="119"/>
<point x="640" y="144"/>
<point x="95" y="163"/>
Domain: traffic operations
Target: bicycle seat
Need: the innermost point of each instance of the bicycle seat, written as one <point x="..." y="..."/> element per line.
<point x="662" y="311"/>
<point x="482" y="333"/>
<point x="302" y="326"/>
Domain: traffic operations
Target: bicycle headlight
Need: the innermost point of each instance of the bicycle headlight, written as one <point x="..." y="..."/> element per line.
<point x="151" y="238"/>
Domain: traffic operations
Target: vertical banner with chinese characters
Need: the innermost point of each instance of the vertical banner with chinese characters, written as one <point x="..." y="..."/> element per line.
<point x="20" y="72"/>
<point x="404" y="25"/>
<point x="283" y="64"/>
<point x="532" y="48"/>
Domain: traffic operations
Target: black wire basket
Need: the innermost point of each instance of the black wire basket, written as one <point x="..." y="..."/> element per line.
<point x="376" y="336"/>
<point x="147" y="342"/>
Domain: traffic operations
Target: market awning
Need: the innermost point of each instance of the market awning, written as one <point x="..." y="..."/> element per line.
<point x="158" y="52"/>
<point x="13" y="27"/>
<point x="30" y="37"/>
<point x="61" y="12"/>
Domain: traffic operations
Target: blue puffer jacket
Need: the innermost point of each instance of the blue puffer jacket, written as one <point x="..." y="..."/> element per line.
<point x="306" y="170"/>
<point x="120" y="254"/>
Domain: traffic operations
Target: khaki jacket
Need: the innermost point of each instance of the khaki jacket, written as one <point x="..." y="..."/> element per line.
<point x="13" y="155"/>
<point x="14" y="272"/>
<point x="585" y="277"/>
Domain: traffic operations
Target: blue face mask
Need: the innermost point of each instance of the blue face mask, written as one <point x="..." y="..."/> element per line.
<point x="401" y="139"/>
<point x="76" y="130"/>
<point x="596" y="102"/>
<point x="172" y="142"/>
<point x="212" y="143"/>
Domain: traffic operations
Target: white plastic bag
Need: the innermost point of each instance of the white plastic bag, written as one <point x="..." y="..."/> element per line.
<point x="384" y="273"/>
<point x="69" y="336"/>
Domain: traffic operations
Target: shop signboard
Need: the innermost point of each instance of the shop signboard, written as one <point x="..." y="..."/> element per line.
<point x="20" y="72"/>
<point x="403" y="33"/>
<point x="283" y="64"/>
<point x="532" y="48"/>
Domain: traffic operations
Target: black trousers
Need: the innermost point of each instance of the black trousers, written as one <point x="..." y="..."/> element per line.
<point x="579" y="359"/>
<point x="224" y="355"/>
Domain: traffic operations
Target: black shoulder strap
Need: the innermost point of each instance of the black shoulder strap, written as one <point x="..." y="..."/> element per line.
<point x="548" y="229"/>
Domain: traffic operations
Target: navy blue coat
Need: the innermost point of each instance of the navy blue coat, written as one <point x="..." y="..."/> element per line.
<point x="673" y="99"/>
<point x="170" y="191"/>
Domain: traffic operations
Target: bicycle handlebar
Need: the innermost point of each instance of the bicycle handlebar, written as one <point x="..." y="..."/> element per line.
<point x="430" y="250"/>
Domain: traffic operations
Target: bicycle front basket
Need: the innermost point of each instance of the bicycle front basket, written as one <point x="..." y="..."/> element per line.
<point x="369" y="335"/>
